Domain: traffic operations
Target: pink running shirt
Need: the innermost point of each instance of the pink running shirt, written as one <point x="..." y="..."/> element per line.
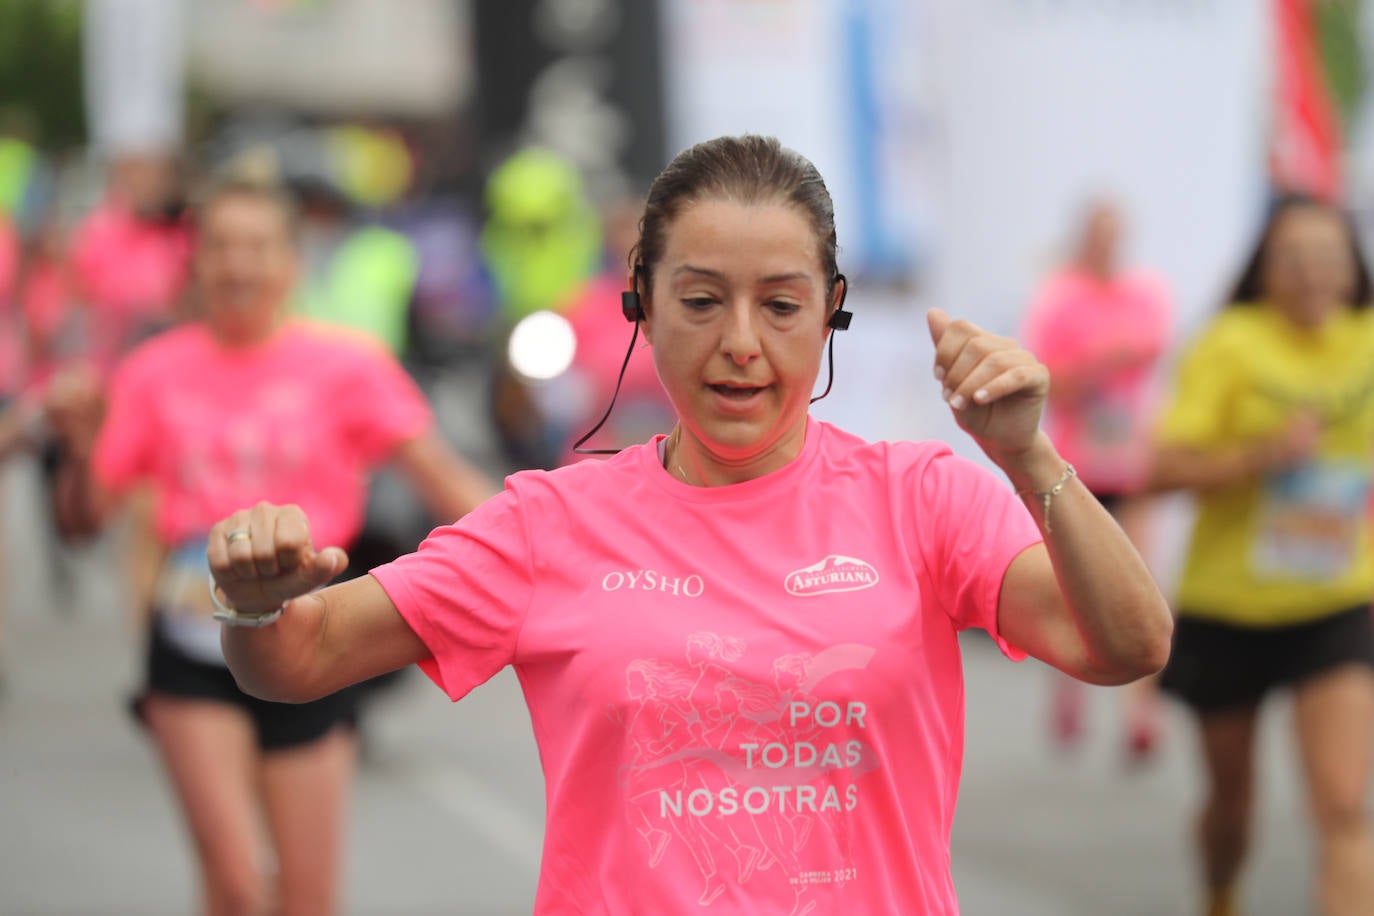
<point x="747" y="699"/>
<point x="130" y="272"/>
<point x="1079" y="326"/>
<point x="10" y="249"/>
<point x="11" y="334"/>
<point x="298" y="419"/>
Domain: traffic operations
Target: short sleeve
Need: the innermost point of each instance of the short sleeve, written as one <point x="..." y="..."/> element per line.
<point x="970" y="527"/>
<point x="465" y="593"/>
<point x="1195" y="413"/>
<point x="125" y="447"/>
<point x="385" y="408"/>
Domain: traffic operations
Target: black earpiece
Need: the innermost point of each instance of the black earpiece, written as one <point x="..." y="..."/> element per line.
<point x="840" y="320"/>
<point x="630" y="306"/>
<point x="633" y="310"/>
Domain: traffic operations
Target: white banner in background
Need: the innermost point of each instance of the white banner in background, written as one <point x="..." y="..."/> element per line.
<point x="1160" y="103"/>
<point x="135" y="74"/>
<point x="835" y="80"/>
<point x="998" y="119"/>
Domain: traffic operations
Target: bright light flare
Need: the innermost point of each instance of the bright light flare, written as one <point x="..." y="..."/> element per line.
<point x="542" y="346"/>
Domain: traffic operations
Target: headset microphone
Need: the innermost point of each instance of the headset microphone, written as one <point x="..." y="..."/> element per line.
<point x="838" y="322"/>
<point x="633" y="311"/>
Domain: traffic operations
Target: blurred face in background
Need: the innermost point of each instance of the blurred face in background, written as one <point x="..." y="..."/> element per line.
<point x="1101" y="243"/>
<point x="148" y="183"/>
<point x="246" y="266"/>
<point x="1309" y="268"/>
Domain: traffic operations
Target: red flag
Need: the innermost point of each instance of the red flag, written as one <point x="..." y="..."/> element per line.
<point x="1305" y="143"/>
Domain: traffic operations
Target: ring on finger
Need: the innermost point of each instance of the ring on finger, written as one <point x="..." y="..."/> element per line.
<point x="238" y="534"/>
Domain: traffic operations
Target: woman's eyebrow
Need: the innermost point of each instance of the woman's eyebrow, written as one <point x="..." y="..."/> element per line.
<point x="770" y="279"/>
<point x="786" y="278"/>
<point x="705" y="271"/>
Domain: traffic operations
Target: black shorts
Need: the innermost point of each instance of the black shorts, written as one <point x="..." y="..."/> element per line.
<point x="1217" y="667"/>
<point x="278" y="725"/>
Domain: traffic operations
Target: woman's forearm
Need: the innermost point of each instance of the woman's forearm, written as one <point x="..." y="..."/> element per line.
<point x="83" y="506"/>
<point x="449" y="486"/>
<point x="323" y="642"/>
<point x="1188" y="468"/>
<point x="277" y="662"/>
<point x="1115" y="626"/>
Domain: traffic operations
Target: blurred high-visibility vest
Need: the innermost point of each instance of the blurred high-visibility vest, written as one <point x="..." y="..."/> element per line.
<point x="367" y="285"/>
<point x="542" y="239"/>
<point x="16" y="169"/>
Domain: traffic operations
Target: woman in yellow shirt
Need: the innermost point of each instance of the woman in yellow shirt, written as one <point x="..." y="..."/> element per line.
<point x="1272" y="426"/>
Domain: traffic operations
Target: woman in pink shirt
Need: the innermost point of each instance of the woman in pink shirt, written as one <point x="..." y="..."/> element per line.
<point x="739" y="641"/>
<point x="1101" y="330"/>
<point x="245" y="405"/>
<point x="129" y="256"/>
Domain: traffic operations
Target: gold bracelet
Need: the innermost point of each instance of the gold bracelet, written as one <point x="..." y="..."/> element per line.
<point x="1047" y="496"/>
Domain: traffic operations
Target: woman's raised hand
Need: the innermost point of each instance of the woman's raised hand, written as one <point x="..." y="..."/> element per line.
<point x="262" y="557"/>
<point x="996" y="388"/>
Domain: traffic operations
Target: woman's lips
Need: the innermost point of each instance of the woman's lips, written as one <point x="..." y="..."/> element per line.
<point x="738" y="395"/>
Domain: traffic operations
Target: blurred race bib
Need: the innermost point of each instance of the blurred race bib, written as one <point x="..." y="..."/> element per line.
<point x="1310" y="518"/>
<point x="1110" y="455"/>
<point x="181" y="596"/>
<point x="1108" y="423"/>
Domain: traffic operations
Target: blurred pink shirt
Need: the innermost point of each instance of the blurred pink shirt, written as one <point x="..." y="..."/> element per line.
<point x="1109" y="337"/>
<point x="11" y="339"/>
<point x="129" y="272"/>
<point x="298" y="419"/>
<point x="747" y="699"/>
<point x="9" y="257"/>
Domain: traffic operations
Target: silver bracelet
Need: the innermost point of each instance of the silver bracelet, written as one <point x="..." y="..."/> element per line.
<point x="232" y="618"/>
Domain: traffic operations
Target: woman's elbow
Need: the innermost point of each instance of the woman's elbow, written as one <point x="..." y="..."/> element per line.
<point x="1160" y="648"/>
<point x="273" y="683"/>
<point x="1148" y="663"/>
<point x="276" y="689"/>
<point x="1147" y="656"/>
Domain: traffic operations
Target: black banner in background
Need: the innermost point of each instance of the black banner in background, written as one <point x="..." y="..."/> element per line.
<point x="581" y="77"/>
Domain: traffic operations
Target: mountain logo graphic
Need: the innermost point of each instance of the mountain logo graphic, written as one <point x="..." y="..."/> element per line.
<point x="833" y="574"/>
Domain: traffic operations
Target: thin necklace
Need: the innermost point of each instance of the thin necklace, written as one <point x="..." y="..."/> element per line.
<point x="676" y="441"/>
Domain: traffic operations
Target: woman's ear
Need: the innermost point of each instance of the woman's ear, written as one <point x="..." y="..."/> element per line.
<point x="645" y="324"/>
<point x="635" y="301"/>
<point x="837" y="319"/>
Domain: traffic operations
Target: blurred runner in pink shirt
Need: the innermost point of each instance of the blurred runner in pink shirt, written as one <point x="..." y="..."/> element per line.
<point x="243" y="406"/>
<point x="1101" y="330"/>
<point x="11" y="348"/>
<point x="130" y="256"/>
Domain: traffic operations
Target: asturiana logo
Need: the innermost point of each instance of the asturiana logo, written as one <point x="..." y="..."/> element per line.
<point x="833" y="574"/>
